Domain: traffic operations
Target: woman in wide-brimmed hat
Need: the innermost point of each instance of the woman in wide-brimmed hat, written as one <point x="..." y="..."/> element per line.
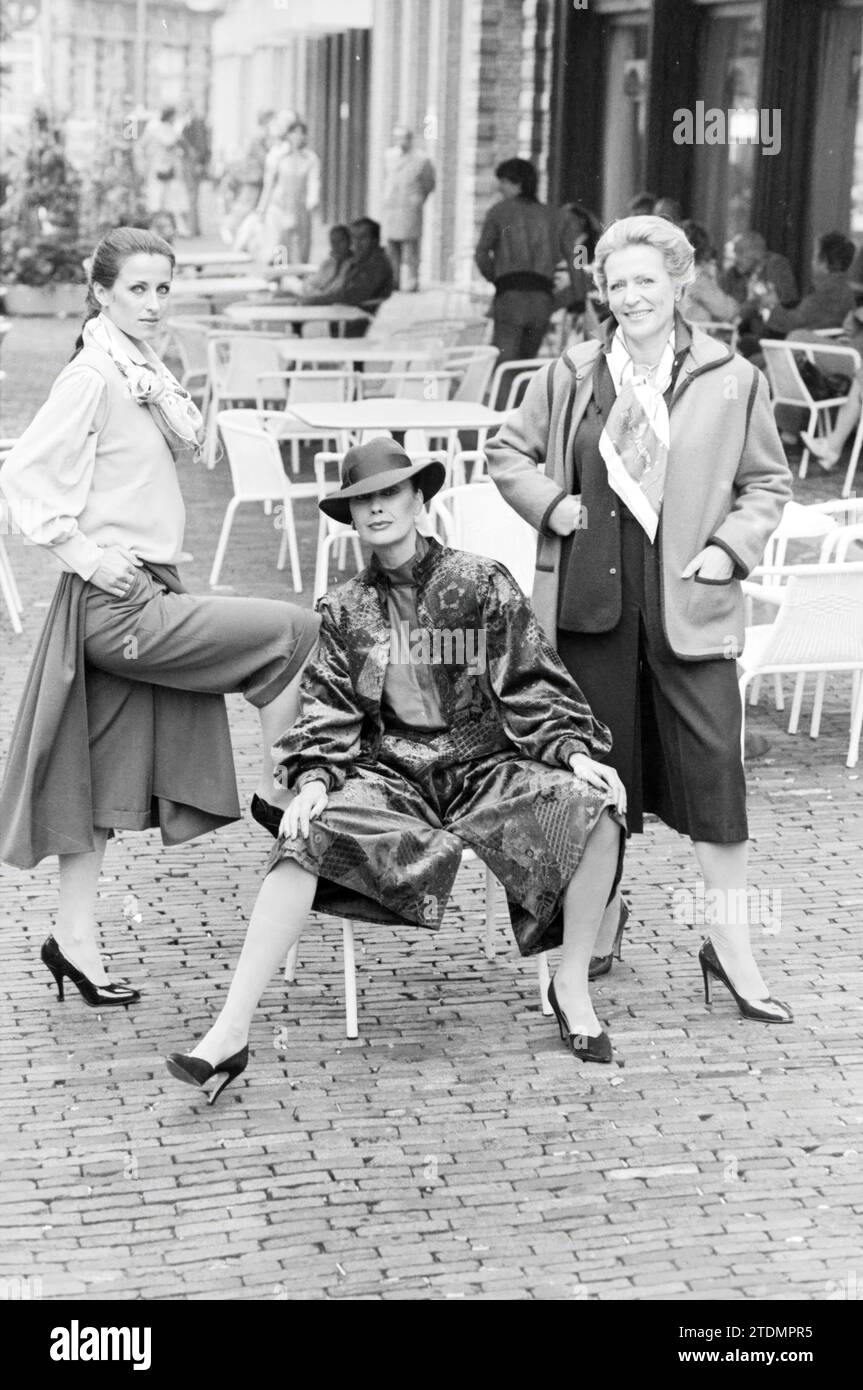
<point x="435" y="717"/>
<point x="122" y="724"/>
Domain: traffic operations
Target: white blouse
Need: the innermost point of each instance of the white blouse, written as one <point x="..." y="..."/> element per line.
<point x="92" y="470"/>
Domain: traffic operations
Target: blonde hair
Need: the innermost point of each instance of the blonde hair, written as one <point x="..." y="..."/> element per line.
<point x="664" y="236"/>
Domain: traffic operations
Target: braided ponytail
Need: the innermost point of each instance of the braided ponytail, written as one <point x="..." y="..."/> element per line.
<point x="108" y="258"/>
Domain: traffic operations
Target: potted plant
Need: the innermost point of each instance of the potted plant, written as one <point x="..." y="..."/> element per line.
<point x="42" y="261"/>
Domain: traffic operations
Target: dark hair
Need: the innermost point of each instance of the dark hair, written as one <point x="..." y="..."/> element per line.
<point x="699" y="239"/>
<point x="836" y="250"/>
<point x="592" y="224"/>
<point x="522" y="172"/>
<point x="671" y="210"/>
<point x="642" y="203"/>
<point x="373" y="227"/>
<point x="108" y="259"/>
<point x="167" y="113"/>
<point x="297" y="125"/>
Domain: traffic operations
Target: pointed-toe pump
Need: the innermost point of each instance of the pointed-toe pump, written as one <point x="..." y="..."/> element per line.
<point x="762" y="1010"/>
<point x="601" y="965"/>
<point x="197" y="1072"/>
<point x="97" y="996"/>
<point x="270" y="817"/>
<point x="584" y="1046"/>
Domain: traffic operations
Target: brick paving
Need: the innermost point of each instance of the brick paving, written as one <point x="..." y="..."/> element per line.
<point x="455" y="1150"/>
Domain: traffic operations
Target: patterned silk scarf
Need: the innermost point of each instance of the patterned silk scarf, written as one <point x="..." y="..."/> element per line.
<point x="635" y="440"/>
<point x="151" y="384"/>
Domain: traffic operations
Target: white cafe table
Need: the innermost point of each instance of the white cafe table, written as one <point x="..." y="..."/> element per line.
<point x="347" y="420"/>
<point x="201" y="260"/>
<point x="297" y="314"/>
<point x="348" y="352"/>
<point x="216" y="287"/>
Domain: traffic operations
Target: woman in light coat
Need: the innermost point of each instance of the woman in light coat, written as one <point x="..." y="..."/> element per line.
<point x="664" y="477"/>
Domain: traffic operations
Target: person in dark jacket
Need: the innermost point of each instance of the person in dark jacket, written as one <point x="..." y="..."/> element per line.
<point x="663" y="477"/>
<point x="435" y="716"/>
<point x="368" y="279"/>
<point x="518" y="251"/>
<point x="831" y="298"/>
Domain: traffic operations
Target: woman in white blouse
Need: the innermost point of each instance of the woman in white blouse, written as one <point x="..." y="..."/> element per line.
<point x="123" y="724"/>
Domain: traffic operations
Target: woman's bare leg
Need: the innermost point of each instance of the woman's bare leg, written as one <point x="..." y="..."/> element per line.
<point x="583" y="908"/>
<point x="276" y="718"/>
<point x="75" y="930"/>
<point x="726" y="911"/>
<point x="278" y="917"/>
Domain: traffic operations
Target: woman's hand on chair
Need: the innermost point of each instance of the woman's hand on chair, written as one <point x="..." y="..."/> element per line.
<point x="116" y="572"/>
<point x="305" y="807"/>
<point x="601" y="776"/>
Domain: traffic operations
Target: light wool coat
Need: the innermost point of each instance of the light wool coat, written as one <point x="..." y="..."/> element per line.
<point x="727" y="482"/>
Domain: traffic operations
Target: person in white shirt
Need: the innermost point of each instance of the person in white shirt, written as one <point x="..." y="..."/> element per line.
<point x="122" y="723"/>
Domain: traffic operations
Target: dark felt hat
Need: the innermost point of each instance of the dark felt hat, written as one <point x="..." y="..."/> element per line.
<point x="378" y="464"/>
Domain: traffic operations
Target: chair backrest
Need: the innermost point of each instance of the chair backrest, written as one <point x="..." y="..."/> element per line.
<point x="820" y="621"/>
<point x="476" y="518"/>
<point x="237" y="360"/>
<point x="797" y="523"/>
<point x="477" y="365"/>
<point x="253" y="454"/>
<point x="310" y="388"/>
<point x="189" y="337"/>
<point x="501" y="383"/>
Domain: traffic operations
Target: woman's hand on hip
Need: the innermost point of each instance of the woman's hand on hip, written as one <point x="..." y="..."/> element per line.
<point x="566" y="516"/>
<point x="116" y="572"/>
<point x="601" y="776"/>
<point x="712" y="563"/>
<point x="305" y="807"/>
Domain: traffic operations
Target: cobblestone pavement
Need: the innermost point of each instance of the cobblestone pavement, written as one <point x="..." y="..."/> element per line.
<point x="455" y="1150"/>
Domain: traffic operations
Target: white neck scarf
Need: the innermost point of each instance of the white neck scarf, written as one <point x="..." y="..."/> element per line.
<point x="149" y="382"/>
<point x="635" y="440"/>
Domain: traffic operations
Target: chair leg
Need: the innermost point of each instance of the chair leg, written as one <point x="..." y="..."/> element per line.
<point x="856" y="721"/>
<point x="544" y="981"/>
<point x="854" y="459"/>
<point x="817" y="704"/>
<point x="289" y="537"/>
<point x="291" y="962"/>
<point x="778" y="693"/>
<point x="322" y="565"/>
<point x="490" y="909"/>
<point x="799" y="687"/>
<point x="10" y="577"/>
<point x="351" y="1025"/>
<point x="804" y="457"/>
<point x="212" y="432"/>
<point x="9" y="591"/>
<point x="295" y="456"/>
<point x="223" y="541"/>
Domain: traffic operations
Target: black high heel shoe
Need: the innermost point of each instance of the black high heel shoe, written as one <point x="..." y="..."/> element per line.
<point x="270" y="817"/>
<point x="197" y="1072"/>
<point x="97" y="996"/>
<point x="601" y="965"/>
<point x="763" y="1010"/>
<point x="585" y="1047"/>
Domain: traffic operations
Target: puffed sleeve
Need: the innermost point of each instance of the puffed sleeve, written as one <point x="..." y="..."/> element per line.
<point x="46" y="478"/>
<point x="323" y="744"/>
<point x="541" y="707"/>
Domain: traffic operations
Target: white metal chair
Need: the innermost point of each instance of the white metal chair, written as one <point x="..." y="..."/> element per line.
<point x="8" y="586"/>
<point x="303" y="387"/>
<point x="501" y="394"/>
<point x="475" y="366"/>
<point x="818" y="628"/>
<point x="331" y="533"/>
<point x="235" y="362"/>
<point x="258" y="475"/>
<point x="787" y="386"/>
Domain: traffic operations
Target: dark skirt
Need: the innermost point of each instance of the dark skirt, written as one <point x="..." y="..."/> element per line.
<point x="388" y="845"/>
<point x="675" y="724"/>
<point x="123" y="725"/>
